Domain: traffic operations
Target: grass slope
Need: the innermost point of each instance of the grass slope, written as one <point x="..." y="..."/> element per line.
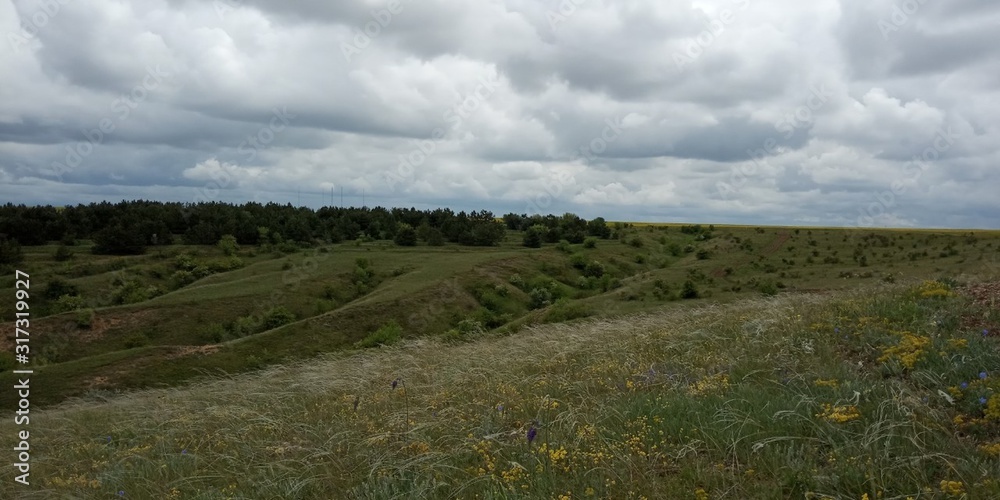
<point x="270" y="307"/>
<point x="889" y="392"/>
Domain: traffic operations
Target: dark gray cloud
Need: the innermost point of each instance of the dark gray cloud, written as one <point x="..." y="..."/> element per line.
<point x="722" y="111"/>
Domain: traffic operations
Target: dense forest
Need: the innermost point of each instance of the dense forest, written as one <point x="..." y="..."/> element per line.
<point x="129" y="227"/>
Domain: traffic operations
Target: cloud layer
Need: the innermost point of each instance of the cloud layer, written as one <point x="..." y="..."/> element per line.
<point x="844" y="113"/>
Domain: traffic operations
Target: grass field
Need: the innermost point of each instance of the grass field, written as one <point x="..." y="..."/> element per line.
<point x="887" y="391"/>
<point x="668" y="362"/>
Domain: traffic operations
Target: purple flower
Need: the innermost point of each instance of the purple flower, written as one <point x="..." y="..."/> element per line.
<point x="836" y="330"/>
<point x="184" y="451"/>
<point x="394" y="382"/>
<point x="500" y="408"/>
<point x="982" y="375"/>
<point x="964" y="385"/>
<point x="532" y="432"/>
<point x="986" y="332"/>
<point x="121" y="493"/>
<point x="982" y="400"/>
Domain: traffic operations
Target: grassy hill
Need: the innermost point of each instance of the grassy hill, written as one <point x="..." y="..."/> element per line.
<point x="886" y="390"/>
<point x="180" y="312"/>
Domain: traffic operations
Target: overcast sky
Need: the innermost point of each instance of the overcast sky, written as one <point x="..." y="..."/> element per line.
<point x="844" y="113"/>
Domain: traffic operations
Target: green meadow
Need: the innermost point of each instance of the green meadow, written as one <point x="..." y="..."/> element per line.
<point x="668" y="361"/>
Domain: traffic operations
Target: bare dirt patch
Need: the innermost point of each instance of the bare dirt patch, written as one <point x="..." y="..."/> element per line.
<point x="987" y="297"/>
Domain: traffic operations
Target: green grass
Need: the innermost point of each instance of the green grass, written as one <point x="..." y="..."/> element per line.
<point x="833" y="395"/>
<point x="207" y="325"/>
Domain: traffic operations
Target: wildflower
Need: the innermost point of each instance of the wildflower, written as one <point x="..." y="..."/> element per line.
<point x="986" y="332"/>
<point x="982" y="400"/>
<point x="500" y="408"/>
<point x="952" y="487"/>
<point x="982" y="375"/>
<point x="836" y="330"/>
<point x="121" y="493"/>
<point x="532" y="432"/>
<point x="964" y="385"/>
<point x="394" y="382"/>
<point x="184" y="451"/>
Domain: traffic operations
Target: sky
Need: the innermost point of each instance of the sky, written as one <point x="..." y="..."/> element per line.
<point x="856" y="113"/>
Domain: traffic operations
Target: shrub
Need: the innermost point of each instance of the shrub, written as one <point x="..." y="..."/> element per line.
<point x="578" y="261"/>
<point x="214" y="333"/>
<point x="689" y="290"/>
<point x="636" y="242"/>
<point x="516" y="280"/>
<point x="389" y="333"/>
<point x="135" y="339"/>
<point x="702" y="254"/>
<point x="228" y="244"/>
<point x="406" y="236"/>
<point x="590" y="242"/>
<point x="594" y="270"/>
<point x="181" y="278"/>
<point x="563" y="246"/>
<point x="131" y="291"/>
<point x="533" y="237"/>
<point x="67" y="303"/>
<point x="767" y="287"/>
<point x="275" y="317"/>
<point x="540" y="297"/>
<point x="564" y="310"/>
<point x="63" y="253"/>
<point x="85" y="318"/>
<point x="58" y="287"/>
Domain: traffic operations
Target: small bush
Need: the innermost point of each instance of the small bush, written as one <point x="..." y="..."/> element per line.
<point x="58" y="287"/>
<point x="275" y="317"/>
<point x="540" y="297"/>
<point x="181" y="279"/>
<point x="564" y="310"/>
<point x="63" y="253"/>
<point x="594" y="270"/>
<point x="636" y="242"/>
<point x="516" y="280"/>
<point x="135" y="339"/>
<point x="388" y="334"/>
<point x="69" y="303"/>
<point x="563" y="246"/>
<point x="85" y="318"/>
<point x="689" y="290"/>
<point x="228" y="245"/>
<point x="590" y="242"/>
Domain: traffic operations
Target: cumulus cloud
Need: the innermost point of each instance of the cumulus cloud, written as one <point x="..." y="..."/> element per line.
<point x="710" y="111"/>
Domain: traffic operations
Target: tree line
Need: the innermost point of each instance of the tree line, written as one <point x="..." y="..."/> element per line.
<point x="129" y="227"/>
